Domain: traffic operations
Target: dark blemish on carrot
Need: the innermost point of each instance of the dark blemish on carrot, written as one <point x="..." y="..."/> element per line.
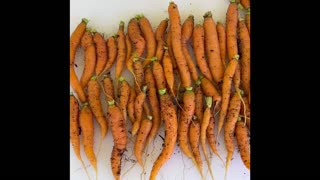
<point x="161" y="137"/>
<point x="75" y="65"/>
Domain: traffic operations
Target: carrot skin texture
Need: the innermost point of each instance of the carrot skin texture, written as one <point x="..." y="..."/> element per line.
<point x="222" y="43"/>
<point x="142" y="135"/>
<point x="244" y="38"/>
<point x="101" y="51"/>
<point x="75" y="39"/>
<point x="76" y="85"/>
<point x="121" y="57"/>
<point x="243" y="143"/>
<point x="90" y="58"/>
<point x="150" y="38"/>
<point x="160" y="31"/>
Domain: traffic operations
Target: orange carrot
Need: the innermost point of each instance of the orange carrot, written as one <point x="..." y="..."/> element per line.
<point x="175" y="29"/>
<point x="138" y="73"/>
<point x="168" y="69"/>
<point x="149" y="36"/>
<point x="186" y="34"/>
<point x="211" y="137"/>
<point x="129" y="48"/>
<point x="158" y="74"/>
<point x="194" y="136"/>
<point x="233" y="114"/>
<point x="138" y="41"/>
<point x="112" y="53"/>
<point x="245" y="3"/>
<point x="199" y="104"/>
<point x="209" y="89"/>
<point x="248" y="22"/>
<point x="118" y="130"/>
<point x="124" y="96"/>
<point x="170" y="50"/>
<point x="169" y="115"/>
<point x="87" y="130"/>
<point x="76" y="38"/>
<point x="212" y="48"/>
<point x="244" y="38"/>
<point x="146" y="125"/>
<point x="95" y="104"/>
<point x="199" y="51"/>
<point x="155" y="107"/>
<point x="222" y="43"/>
<point x="160" y="31"/>
<point x="76" y="85"/>
<point x="74" y="129"/>
<point x="121" y="57"/>
<point x="247" y="113"/>
<point x="101" y="51"/>
<point x="108" y="87"/>
<point x="243" y="143"/>
<point x="130" y="105"/>
<point x="138" y="106"/>
<point x="231" y="30"/>
<point x="90" y="58"/>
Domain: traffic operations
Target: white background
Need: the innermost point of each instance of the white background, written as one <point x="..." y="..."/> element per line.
<point x="104" y="16"/>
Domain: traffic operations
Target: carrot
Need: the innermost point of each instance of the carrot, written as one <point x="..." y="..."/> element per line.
<point x="205" y="122"/>
<point x="138" y="106"/>
<point x="199" y="51"/>
<point x="130" y="105"/>
<point x="158" y="74"/>
<point x="248" y="22"/>
<point x="118" y="130"/>
<point x="212" y="48"/>
<point x="231" y="30"/>
<point x="124" y="96"/>
<point x="243" y="143"/>
<point x="146" y="125"/>
<point x="211" y="137"/>
<point x="160" y="31"/>
<point x="101" y="51"/>
<point x="186" y="34"/>
<point x="112" y="53"/>
<point x="129" y="48"/>
<point x="175" y="29"/>
<point x="138" y="73"/>
<point x="199" y="104"/>
<point x="222" y="43"/>
<point x="168" y="69"/>
<point x="74" y="130"/>
<point x="108" y="87"/>
<point x="194" y="136"/>
<point x="87" y="130"/>
<point x="245" y="3"/>
<point x="233" y="115"/>
<point x="170" y="50"/>
<point x="154" y="102"/>
<point x="95" y="104"/>
<point x="90" y="58"/>
<point x="209" y="89"/>
<point x="244" y="39"/>
<point x="76" y="85"/>
<point x="247" y="113"/>
<point x="226" y="90"/>
<point x="149" y="36"/>
<point x="121" y="57"/>
<point x="76" y="38"/>
<point x="169" y="115"/>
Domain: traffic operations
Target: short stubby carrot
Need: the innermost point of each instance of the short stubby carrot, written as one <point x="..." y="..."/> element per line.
<point x="75" y="38"/>
<point x="90" y="58"/>
<point x="101" y="51"/>
<point x="146" y="125"/>
<point x="243" y="143"/>
<point x="175" y="28"/>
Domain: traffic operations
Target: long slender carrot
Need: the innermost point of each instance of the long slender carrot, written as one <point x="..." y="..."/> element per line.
<point x="199" y="51"/>
<point x="194" y="136"/>
<point x="169" y="115"/>
<point x="138" y="106"/>
<point x="149" y="36"/>
<point x="129" y="48"/>
<point x="226" y="90"/>
<point x="76" y="38"/>
<point x="243" y="143"/>
<point x="170" y="49"/>
<point x="211" y="137"/>
<point x="112" y="53"/>
<point x="212" y="48"/>
<point x="158" y="74"/>
<point x="222" y="43"/>
<point x="124" y="95"/>
<point x="232" y="117"/>
<point x="87" y="130"/>
<point x="90" y="58"/>
<point x="168" y="69"/>
<point x="160" y="31"/>
<point x="130" y="105"/>
<point x="248" y="21"/>
<point x="154" y="102"/>
<point x="101" y="51"/>
<point x="231" y="30"/>
<point x="95" y="104"/>
<point x="146" y="125"/>
<point x="175" y="29"/>
<point x="244" y="39"/>
<point x="76" y="85"/>
<point x="245" y="3"/>
<point x="118" y="130"/>
<point x="186" y="34"/>
<point x="121" y="57"/>
<point x="205" y="122"/>
<point x="74" y="130"/>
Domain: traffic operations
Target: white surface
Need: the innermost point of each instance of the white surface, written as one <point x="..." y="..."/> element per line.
<point x="105" y="16"/>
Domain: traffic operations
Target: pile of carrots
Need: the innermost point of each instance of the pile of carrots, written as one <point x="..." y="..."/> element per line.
<point x="188" y="94"/>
